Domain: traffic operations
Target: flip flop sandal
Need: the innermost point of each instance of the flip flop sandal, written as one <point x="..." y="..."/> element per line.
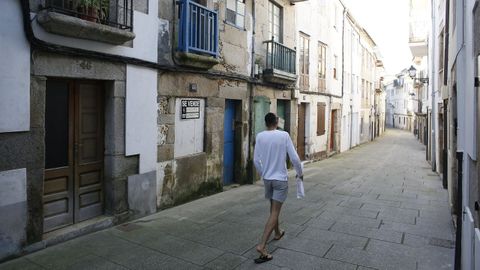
<point x="263" y="258"/>
<point x="280" y="237"/>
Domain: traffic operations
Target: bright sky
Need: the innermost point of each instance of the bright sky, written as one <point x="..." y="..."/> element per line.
<point x="387" y="22"/>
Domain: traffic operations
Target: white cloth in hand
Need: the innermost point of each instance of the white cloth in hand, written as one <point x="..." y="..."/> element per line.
<point x="300" y="188"/>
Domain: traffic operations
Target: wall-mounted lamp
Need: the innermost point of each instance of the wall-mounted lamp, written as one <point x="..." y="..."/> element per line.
<point x="412" y="72"/>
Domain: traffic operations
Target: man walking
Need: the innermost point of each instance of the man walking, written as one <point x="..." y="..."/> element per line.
<point x="270" y="156"/>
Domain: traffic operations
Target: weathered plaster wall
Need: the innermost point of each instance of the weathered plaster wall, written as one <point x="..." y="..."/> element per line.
<point x="261" y="28"/>
<point x="182" y="176"/>
<point x="235" y="43"/>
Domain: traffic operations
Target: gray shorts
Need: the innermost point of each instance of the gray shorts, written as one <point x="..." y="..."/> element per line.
<point x="276" y="190"/>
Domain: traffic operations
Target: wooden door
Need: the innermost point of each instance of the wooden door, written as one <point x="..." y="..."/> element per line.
<point x="88" y="150"/>
<point x="58" y="180"/>
<point x="301" y="130"/>
<point x="332" y="130"/>
<point x="73" y="182"/>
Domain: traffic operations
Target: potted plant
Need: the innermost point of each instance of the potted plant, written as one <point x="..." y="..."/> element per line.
<point x="93" y="10"/>
<point x="89" y="9"/>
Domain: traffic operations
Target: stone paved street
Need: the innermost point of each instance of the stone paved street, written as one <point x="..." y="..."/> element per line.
<point x="378" y="206"/>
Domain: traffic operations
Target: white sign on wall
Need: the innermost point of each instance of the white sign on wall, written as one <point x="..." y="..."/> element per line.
<point x="189" y="126"/>
<point x="190" y="109"/>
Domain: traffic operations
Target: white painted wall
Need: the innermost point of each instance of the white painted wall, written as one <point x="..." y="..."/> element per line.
<point x="309" y="15"/>
<point x="145" y="27"/>
<point x="14" y="70"/>
<point x="189" y="133"/>
<point x="141" y="116"/>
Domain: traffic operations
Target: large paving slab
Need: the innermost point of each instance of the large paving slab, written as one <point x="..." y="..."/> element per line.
<point x="378" y="206"/>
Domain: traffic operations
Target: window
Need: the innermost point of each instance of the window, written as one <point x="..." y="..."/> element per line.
<point x="236" y="12"/>
<point x="335" y="63"/>
<point x="304" y="61"/>
<point x="275" y="20"/>
<point x="320" y="118"/>
<point x="322" y="66"/>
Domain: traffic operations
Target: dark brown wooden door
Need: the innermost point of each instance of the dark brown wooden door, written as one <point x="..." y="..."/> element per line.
<point x="88" y="151"/>
<point x="58" y="181"/>
<point x="332" y="130"/>
<point x="301" y="131"/>
<point x="73" y="183"/>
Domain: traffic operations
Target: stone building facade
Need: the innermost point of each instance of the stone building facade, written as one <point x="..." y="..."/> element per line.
<point x="71" y="153"/>
<point x="235" y="87"/>
<point x="117" y="112"/>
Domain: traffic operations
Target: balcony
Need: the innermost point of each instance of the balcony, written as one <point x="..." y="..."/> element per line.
<point x="418" y="38"/>
<point x="197" y="35"/>
<point x="280" y="63"/>
<point x="100" y="20"/>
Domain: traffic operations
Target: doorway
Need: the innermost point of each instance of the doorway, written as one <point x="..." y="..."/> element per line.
<point x="283" y="113"/>
<point x="231" y="141"/>
<point x="74" y="152"/>
<point x="302" y="108"/>
<point x="333" y="124"/>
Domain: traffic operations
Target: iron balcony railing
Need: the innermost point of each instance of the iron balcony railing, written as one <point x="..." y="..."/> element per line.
<point x="115" y="13"/>
<point x="198" y="29"/>
<point x="280" y="57"/>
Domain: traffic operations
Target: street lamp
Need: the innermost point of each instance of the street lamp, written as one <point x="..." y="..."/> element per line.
<point x="412" y="71"/>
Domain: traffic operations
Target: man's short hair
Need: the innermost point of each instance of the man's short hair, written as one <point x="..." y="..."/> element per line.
<point x="271" y="119"/>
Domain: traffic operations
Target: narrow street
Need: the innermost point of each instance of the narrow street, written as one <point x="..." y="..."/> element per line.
<point x="378" y="206"/>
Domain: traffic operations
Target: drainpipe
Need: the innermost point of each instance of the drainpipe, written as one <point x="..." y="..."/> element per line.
<point x="434" y="152"/>
<point x="351" y="125"/>
<point x="460" y="213"/>
<point x="250" y="169"/>
<point x="343" y="47"/>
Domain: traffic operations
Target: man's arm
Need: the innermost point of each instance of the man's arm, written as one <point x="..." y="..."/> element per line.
<point x="257" y="156"/>
<point x="294" y="158"/>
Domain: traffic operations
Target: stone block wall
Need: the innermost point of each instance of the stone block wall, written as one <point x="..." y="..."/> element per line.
<point x="184" y="178"/>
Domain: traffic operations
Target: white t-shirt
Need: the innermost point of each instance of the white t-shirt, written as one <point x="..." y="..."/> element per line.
<point x="270" y="155"/>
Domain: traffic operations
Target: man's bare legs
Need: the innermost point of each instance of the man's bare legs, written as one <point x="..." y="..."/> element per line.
<point x="278" y="232"/>
<point x="271" y="225"/>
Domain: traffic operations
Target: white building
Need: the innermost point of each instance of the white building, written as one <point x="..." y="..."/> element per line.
<point x="319" y="85"/>
<point x="358" y="85"/>
<point x="453" y="83"/>
<point x="400" y="106"/>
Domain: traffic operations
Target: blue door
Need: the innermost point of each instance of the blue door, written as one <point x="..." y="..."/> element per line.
<point x="229" y="142"/>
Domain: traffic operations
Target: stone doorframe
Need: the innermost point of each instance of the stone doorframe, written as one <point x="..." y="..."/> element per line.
<point x="116" y="165"/>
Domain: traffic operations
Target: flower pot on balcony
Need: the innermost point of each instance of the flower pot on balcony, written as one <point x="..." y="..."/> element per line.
<point x="89" y="14"/>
